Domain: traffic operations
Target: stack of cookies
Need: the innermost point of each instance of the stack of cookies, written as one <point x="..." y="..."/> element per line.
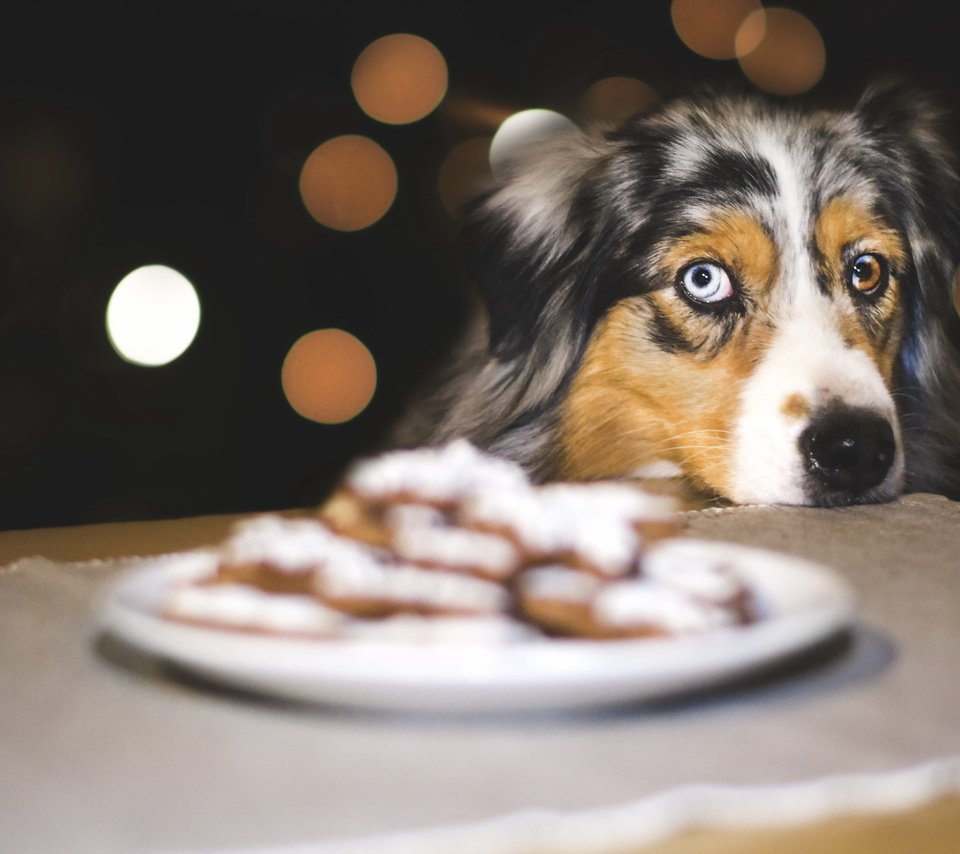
<point x="452" y="543"/>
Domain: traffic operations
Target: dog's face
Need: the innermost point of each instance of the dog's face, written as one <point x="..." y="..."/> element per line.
<point x="729" y="291"/>
<point x="761" y="363"/>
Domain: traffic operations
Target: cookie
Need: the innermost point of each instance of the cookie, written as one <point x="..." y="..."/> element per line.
<point x="280" y="555"/>
<point x="247" y="608"/>
<point x="703" y="579"/>
<point x="408" y="502"/>
<point x="599" y="527"/>
<point x="558" y="599"/>
<point x="427" y="537"/>
<point x="353" y="517"/>
<point x="642" y="607"/>
<point x="677" y="592"/>
<point x="437" y="479"/>
<point x="440" y="476"/>
<point x="372" y="588"/>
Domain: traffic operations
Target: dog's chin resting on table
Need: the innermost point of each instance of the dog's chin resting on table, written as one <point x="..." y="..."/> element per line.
<point x="753" y="298"/>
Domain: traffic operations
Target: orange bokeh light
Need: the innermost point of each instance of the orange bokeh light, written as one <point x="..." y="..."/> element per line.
<point x="329" y="376"/>
<point x="399" y="79"/>
<point x="790" y="56"/>
<point x="463" y="173"/>
<point x="348" y="183"/>
<point x="751" y="33"/>
<point x="42" y="176"/>
<point x="474" y="115"/>
<point x="709" y="27"/>
<point x="615" y="99"/>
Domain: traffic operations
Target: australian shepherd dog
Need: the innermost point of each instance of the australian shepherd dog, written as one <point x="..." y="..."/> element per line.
<point x="751" y="297"/>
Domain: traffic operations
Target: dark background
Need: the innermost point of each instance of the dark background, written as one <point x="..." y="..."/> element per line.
<point x="135" y="133"/>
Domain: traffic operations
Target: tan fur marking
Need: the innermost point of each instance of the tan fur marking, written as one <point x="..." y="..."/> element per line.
<point x="736" y="240"/>
<point x="843" y="223"/>
<point x="853" y="332"/>
<point x="695" y="330"/>
<point x="796" y="406"/>
<point x="631" y="403"/>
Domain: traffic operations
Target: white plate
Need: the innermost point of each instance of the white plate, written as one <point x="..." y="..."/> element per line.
<point x="802" y="604"/>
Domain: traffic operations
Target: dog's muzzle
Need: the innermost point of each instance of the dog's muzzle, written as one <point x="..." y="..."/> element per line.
<point x="847" y="453"/>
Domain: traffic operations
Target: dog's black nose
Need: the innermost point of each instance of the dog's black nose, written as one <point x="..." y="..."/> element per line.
<point x="848" y="451"/>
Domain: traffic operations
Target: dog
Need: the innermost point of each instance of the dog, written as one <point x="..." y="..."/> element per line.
<point x="731" y="290"/>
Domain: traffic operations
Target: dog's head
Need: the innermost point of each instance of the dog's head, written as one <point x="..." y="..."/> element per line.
<point x="755" y="297"/>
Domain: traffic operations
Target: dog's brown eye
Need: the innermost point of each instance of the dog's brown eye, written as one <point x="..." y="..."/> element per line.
<point x="868" y="274"/>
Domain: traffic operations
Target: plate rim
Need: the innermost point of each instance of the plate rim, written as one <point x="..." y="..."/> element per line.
<point x="567" y="673"/>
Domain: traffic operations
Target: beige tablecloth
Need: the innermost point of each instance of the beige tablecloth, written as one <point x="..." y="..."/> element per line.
<point x="105" y="750"/>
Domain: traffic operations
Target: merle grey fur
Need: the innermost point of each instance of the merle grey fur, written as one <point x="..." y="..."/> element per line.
<point x="570" y="228"/>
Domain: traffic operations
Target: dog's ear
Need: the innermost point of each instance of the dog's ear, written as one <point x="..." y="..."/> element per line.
<point x="906" y="136"/>
<point x="521" y="241"/>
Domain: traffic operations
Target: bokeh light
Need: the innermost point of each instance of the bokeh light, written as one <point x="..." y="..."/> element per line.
<point x="42" y="175"/>
<point x="474" y="115"/>
<point x="463" y="172"/>
<point x="751" y="32"/>
<point x="956" y="290"/>
<point x="329" y="376"/>
<point x="521" y="130"/>
<point x="788" y="58"/>
<point x="153" y="315"/>
<point x="615" y="99"/>
<point x="709" y="27"/>
<point x="399" y="79"/>
<point x="348" y="183"/>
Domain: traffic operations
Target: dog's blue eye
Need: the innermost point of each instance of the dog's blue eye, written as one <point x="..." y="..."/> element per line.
<point x="706" y="282"/>
<point x="868" y="274"/>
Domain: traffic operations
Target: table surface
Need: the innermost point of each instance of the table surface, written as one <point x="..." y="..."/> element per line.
<point x="104" y="749"/>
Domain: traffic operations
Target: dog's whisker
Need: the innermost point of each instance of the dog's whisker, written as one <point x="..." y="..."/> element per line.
<point x="698" y="434"/>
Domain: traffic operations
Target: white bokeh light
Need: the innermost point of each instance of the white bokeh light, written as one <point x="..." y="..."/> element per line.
<point x="153" y="315"/>
<point x="523" y="129"/>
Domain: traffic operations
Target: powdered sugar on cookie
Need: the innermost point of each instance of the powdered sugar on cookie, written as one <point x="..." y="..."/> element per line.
<point x="473" y="552"/>
<point x="688" y="571"/>
<point x="642" y="607"/>
<point x="452" y="544"/>
<point x="381" y="588"/>
<point x="599" y="526"/>
<point x="285" y="545"/>
<point x="442" y="475"/>
<point x="242" y="606"/>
